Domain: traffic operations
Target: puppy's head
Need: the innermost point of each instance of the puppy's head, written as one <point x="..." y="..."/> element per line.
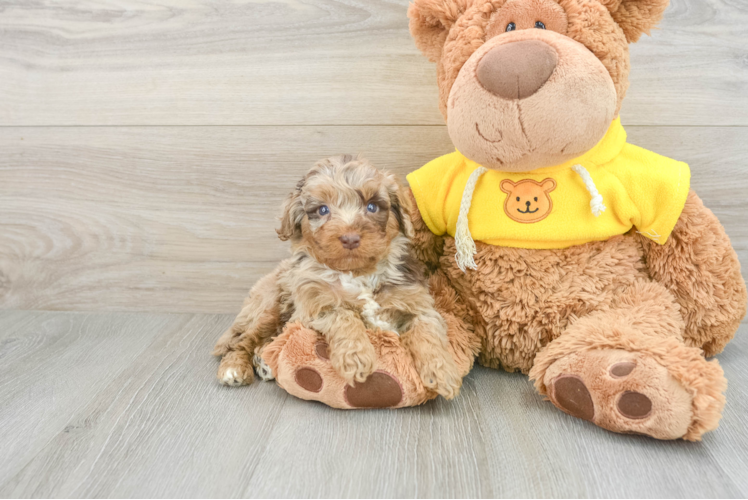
<point x="345" y="213"/>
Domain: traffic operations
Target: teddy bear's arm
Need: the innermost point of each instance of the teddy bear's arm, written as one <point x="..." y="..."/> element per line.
<point x="427" y="246"/>
<point x="700" y="267"/>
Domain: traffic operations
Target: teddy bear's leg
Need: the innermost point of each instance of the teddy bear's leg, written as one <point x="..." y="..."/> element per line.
<point x="299" y="359"/>
<point x="627" y="369"/>
<point x="701" y="269"/>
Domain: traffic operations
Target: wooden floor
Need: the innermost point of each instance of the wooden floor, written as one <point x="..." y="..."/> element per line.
<point x="145" y="148"/>
<point x="126" y="405"/>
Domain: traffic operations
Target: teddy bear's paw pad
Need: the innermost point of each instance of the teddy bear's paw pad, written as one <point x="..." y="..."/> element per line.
<point x="622" y="369"/>
<point x="322" y="350"/>
<point x="262" y="368"/>
<point x="309" y="379"/>
<point x="622" y="392"/>
<point x="380" y="390"/>
<point x="569" y="393"/>
<point x="634" y="405"/>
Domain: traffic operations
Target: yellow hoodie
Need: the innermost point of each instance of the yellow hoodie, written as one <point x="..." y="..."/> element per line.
<point x="601" y="194"/>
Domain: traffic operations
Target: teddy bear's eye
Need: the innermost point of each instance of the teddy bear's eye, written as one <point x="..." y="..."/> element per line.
<point x="517" y="198"/>
<point x="536" y="198"/>
<point x="511" y="27"/>
<point x="539" y="25"/>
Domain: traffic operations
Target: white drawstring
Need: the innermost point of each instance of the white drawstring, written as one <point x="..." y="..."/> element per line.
<point x="463" y="239"/>
<point x="596" y="203"/>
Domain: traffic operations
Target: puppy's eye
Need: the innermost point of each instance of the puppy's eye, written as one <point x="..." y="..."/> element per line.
<point x="323" y="210"/>
<point x="511" y="27"/>
<point x="539" y="25"/>
<point x="372" y="208"/>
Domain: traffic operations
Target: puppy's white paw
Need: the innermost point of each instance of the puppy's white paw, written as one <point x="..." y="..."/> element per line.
<point x="232" y="377"/>
<point x="262" y="369"/>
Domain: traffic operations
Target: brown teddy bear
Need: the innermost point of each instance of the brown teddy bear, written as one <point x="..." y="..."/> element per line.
<point x="597" y="271"/>
<point x="556" y="248"/>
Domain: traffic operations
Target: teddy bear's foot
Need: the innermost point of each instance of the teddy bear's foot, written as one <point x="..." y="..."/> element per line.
<point x="300" y="360"/>
<point x="621" y="391"/>
<point x="658" y="387"/>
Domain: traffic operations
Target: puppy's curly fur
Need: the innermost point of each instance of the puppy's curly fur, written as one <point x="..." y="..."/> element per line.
<point x="351" y="269"/>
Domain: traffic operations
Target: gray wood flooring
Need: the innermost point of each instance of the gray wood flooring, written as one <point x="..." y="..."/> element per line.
<point x="126" y="405"/>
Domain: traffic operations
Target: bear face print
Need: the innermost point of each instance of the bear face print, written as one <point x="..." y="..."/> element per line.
<point x="528" y="201"/>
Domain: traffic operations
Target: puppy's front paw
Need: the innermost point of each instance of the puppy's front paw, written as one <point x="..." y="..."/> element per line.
<point x="235" y="369"/>
<point x="439" y="373"/>
<point x="355" y="363"/>
<point x="262" y="368"/>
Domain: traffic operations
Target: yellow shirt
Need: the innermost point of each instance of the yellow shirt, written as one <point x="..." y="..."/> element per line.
<point x="550" y="207"/>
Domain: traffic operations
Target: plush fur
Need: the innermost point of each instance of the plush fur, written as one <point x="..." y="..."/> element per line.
<point x="612" y="331"/>
<point x="351" y="276"/>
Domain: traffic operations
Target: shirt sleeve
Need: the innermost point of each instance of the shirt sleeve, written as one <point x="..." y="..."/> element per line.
<point x="430" y="189"/>
<point x="658" y="187"/>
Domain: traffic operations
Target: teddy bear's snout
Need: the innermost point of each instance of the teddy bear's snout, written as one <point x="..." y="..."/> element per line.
<point x="517" y="70"/>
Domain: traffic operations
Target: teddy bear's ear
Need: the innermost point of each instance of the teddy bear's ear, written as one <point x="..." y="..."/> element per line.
<point x="636" y="17"/>
<point x="430" y="21"/>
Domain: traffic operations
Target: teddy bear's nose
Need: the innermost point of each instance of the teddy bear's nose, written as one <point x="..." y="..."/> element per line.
<point x="527" y="203"/>
<point x="518" y="69"/>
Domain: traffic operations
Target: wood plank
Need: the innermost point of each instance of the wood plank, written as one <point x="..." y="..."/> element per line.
<point x="158" y="216"/>
<point x="432" y="451"/>
<point x="54" y="364"/>
<point x="163" y="427"/>
<point x="182" y="219"/>
<point x="309" y="62"/>
<point x="692" y="69"/>
<point x="730" y="442"/>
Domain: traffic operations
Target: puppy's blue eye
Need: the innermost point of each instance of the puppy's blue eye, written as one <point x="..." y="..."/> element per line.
<point x="539" y="25"/>
<point x="511" y="27"/>
<point x="371" y="207"/>
<point x="323" y="210"/>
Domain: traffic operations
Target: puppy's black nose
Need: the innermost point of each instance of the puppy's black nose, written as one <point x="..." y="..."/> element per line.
<point x="350" y="240"/>
<point x="528" y="204"/>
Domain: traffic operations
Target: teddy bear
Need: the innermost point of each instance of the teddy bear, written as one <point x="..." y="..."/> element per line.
<point x="556" y="248"/>
<point x="585" y="261"/>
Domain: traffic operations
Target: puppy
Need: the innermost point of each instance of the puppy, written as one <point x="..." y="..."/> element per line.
<point x="351" y="270"/>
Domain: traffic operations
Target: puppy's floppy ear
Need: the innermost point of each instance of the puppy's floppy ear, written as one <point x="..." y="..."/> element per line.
<point x="430" y="21"/>
<point x="636" y="17"/>
<point x="400" y="206"/>
<point x="293" y="214"/>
